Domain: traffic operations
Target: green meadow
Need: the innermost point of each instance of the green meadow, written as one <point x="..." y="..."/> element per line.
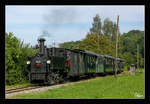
<point x="124" y="86"/>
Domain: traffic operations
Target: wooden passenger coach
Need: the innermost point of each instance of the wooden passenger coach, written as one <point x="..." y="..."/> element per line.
<point x="85" y="62"/>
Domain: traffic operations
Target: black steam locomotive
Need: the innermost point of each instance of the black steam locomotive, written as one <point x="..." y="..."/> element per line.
<point x="54" y="65"/>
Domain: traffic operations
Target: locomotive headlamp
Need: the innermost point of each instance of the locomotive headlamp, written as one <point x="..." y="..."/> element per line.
<point x="48" y="61"/>
<point x="28" y="62"/>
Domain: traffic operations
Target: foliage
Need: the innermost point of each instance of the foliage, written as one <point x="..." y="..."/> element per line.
<point x="96" y="26"/>
<point x="107" y="27"/>
<point x="125" y="86"/>
<point x="128" y="47"/>
<point x="16" y="53"/>
<point x="90" y="43"/>
<point x="69" y="45"/>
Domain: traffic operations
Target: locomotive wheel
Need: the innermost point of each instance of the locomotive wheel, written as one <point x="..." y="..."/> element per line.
<point x="61" y="79"/>
<point x="49" y="80"/>
<point x="53" y="78"/>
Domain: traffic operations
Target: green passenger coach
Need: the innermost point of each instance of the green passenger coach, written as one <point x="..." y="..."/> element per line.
<point x="84" y="62"/>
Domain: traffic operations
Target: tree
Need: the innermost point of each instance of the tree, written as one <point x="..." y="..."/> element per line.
<point x="90" y="44"/>
<point x="96" y="26"/>
<point x="108" y="27"/>
<point x="128" y="47"/>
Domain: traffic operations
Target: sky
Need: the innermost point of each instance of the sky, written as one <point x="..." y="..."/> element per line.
<point x="67" y="23"/>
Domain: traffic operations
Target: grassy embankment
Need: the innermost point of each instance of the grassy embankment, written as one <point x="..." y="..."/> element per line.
<point x="124" y="86"/>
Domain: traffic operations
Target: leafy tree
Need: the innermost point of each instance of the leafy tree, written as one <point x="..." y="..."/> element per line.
<point x="107" y="27"/>
<point x="96" y="26"/>
<point x="128" y="44"/>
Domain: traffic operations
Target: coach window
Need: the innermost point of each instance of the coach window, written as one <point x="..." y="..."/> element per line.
<point x="88" y="59"/>
<point x="106" y="60"/>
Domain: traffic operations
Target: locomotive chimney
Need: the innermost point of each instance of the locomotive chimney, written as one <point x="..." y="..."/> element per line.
<point x="42" y="49"/>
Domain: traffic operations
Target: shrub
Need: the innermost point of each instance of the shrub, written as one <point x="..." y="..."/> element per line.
<point x="16" y="53"/>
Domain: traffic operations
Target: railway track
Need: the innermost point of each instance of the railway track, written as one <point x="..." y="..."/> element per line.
<point x="9" y="91"/>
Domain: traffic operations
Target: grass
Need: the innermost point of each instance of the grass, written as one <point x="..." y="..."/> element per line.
<point x="18" y="85"/>
<point x="124" y="86"/>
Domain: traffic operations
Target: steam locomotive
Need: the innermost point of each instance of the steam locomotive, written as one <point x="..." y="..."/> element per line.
<point x="54" y="65"/>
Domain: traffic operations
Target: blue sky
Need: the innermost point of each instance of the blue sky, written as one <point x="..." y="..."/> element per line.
<point x="67" y="23"/>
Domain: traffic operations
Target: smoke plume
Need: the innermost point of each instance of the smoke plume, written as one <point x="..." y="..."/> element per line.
<point x="45" y="34"/>
<point x="60" y="15"/>
<point x="56" y="17"/>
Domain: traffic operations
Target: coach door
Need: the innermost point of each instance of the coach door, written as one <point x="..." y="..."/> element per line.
<point x="100" y="64"/>
<point x="74" y="67"/>
<point x="81" y="64"/>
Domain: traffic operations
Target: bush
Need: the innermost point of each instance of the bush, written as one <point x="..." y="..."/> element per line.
<point x="16" y="53"/>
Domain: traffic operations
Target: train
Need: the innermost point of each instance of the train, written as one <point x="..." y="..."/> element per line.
<point x="54" y="65"/>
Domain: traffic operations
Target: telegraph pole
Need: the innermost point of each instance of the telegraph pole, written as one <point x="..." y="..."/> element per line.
<point x="116" y="47"/>
<point x="137" y="56"/>
<point x="98" y="43"/>
<point x="98" y="39"/>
